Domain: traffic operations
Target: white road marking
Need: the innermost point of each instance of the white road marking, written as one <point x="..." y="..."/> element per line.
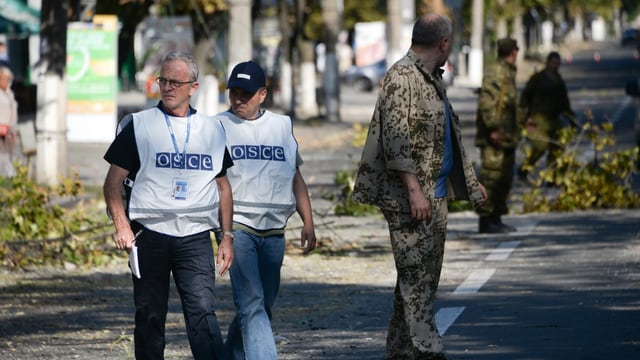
<point x="474" y="281"/>
<point x="503" y="251"/>
<point x="618" y="115"/>
<point x="445" y="317"/>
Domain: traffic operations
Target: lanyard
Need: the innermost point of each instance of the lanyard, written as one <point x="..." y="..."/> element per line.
<point x="173" y="137"/>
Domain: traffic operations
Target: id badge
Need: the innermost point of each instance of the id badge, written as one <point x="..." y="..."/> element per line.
<point x="179" y="189"/>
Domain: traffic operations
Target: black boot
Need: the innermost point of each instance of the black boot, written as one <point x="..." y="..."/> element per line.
<point x="506" y="228"/>
<point x="491" y="225"/>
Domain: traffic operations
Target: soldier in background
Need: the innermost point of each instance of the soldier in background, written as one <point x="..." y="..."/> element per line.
<point x="545" y="100"/>
<point x="497" y="136"/>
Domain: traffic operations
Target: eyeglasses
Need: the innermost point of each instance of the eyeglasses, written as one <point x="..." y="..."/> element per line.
<point x="172" y="83"/>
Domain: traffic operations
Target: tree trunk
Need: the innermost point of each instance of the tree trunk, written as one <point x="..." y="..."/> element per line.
<point x="240" y="33"/>
<point x="284" y="98"/>
<point x="331" y="18"/>
<point x="51" y="115"/>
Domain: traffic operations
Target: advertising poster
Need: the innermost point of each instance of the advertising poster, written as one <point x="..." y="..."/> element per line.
<point x="370" y="44"/>
<point x="92" y="86"/>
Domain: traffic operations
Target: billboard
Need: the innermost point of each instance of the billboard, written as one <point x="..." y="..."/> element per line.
<point x="92" y="79"/>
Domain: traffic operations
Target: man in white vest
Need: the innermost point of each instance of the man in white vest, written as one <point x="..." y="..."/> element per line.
<point x="175" y="162"/>
<point x="267" y="189"/>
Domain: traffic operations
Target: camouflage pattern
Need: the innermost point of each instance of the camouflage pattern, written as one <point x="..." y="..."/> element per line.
<point x="418" y="251"/>
<point x="544" y="99"/>
<point x="498" y="110"/>
<point x="496" y="174"/>
<point x="406" y="134"/>
<point x="498" y="106"/>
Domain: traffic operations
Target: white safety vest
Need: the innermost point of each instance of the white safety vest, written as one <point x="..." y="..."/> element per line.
<point x="264" y="165"/>
<point x="153" y="201"/>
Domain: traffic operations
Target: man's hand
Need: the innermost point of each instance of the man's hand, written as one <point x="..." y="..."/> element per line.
<point x="307" y="239"/>
<point x="530" y="125"/>
<point x="420" y="207"/>
<point x="225" y="255"/>
<point x="485" y="195"/>
<point x="124" y="238"/>
<point x="495" y="137"/>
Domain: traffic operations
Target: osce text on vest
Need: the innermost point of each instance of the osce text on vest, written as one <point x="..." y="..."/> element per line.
<point x="193" y="161"/>
<point x="257" y="152"/>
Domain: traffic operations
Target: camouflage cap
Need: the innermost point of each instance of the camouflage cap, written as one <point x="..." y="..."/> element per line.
<point x="507" y="45"/>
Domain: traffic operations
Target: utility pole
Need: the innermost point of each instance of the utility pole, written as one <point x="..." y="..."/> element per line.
<point x="240" y="33"/>
<point x="332" y="19"/>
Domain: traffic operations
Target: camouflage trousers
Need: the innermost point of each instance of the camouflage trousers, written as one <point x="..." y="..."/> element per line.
<point x="418" y="251"/>
<point x="496" y="174"/>
<point x="542" y="140"/>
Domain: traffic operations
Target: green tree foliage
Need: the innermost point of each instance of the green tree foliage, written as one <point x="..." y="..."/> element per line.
<point x="344" y="205"/>
<point x="44" y="225"/>
<point x="602" y="8"/>
<point x="570" y="183"/>
<point x="354" y="11"/>
<point x="631" y="7"/>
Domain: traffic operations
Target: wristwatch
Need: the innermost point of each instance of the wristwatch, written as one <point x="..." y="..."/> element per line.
<point x="229" y="234"/>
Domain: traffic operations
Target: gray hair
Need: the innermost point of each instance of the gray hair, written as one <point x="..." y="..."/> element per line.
<point x="429" y="29"/>
<point x="5" y="70"/>
<point x="186" y="58"/>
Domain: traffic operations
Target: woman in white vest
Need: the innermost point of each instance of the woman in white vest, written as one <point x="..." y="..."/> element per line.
<point x="267" y="189"/>
<point x="178" y="162"/>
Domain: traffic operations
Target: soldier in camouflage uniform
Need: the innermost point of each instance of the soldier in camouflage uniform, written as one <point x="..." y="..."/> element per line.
<point x="544" y="99"/>
<point x="412" y="161"/>
<point x="497" y="136"/>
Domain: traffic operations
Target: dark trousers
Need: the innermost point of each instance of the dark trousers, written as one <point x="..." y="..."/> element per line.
<point x="191" y="261"/>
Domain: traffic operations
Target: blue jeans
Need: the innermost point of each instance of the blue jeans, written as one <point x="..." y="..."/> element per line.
<point x="255" y="281"/>
<point x="191" y="261"/>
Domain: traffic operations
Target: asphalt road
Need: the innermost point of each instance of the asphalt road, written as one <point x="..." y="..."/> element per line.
<point x="566" y="286"/>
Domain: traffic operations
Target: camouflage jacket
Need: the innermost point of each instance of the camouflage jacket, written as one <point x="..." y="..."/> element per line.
<point x="498" y="106"/>
<point x="545" y="98"/>
<point x="406" y="134"/>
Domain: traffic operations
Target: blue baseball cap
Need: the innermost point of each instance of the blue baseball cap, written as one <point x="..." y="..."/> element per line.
<point x="247" y="76"/>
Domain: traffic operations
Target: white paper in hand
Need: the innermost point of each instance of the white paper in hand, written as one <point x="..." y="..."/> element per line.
<point x="133" y="262"/>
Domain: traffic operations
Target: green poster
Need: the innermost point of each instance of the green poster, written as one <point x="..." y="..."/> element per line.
<point x="92" y="66"/>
